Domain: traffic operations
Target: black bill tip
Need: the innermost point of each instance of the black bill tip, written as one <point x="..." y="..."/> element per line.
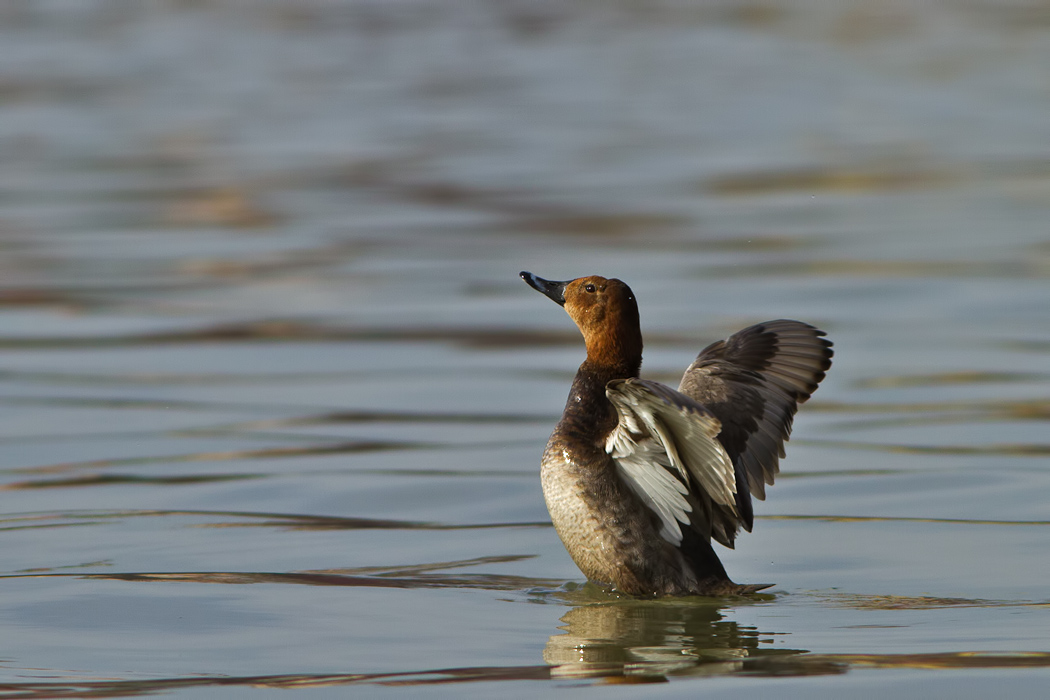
<point x="555" y="291"/>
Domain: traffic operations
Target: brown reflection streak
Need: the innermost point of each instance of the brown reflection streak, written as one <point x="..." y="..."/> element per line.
<point x="1036" y="413"/>
<point x="126" y="688"/>
<point x="964" y="659"/>
<point x="278" y="520"/>
<point x="840" y="472"/>
<point x="300" y="331"/>
<point x="950" y="379"/>
<point x="526" y="210"/>
<point x="946" y="413"/>
<point x="49" y="525"/>
<point x="415" y="569"/>
<point x="599" y="224"/>
<point x="359" y="417"/>
<point x="829" y="180"/>
<point x="1002" y="449"/>
<point x="35" y="296"/>
<point x="1023" y="268"/>
<point x="253" y="428"/>
<point x="878" y="519"/>
<point x="874" y="178"/>
<point x="409" y="417"/>
<point x="1036" y="346"/>
<point x="218" y="206"/>
<point x="412" y="577"/>
<point x="350" y="447"/>
<point x="787" y="665"/>
<point x="895" y="602"/>
<point x="1035" y="407"/>
<point x="181" y="378"/>
<point x="114" y="479"/>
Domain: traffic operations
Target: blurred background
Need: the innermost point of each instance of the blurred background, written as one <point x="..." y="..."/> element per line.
<point x="261" y="325"/>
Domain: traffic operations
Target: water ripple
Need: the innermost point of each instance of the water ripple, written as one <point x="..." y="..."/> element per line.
<point x="641" y="671"/>
<point x="289" y="521"/>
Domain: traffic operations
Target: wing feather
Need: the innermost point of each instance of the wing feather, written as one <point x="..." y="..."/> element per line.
<point x="646" y="469"/>
<point x="665" y="447"/>
<point x="753" y="382"/>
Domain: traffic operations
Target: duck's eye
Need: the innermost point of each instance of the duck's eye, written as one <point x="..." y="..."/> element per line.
<point x="590" y="288"/>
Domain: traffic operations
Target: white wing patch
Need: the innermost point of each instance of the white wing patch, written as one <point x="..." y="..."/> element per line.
<point x="665" y="442"/>
<point x="645" y="468"/>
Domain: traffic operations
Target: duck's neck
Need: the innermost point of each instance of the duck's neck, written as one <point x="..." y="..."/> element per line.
<point x="589" y="414"/>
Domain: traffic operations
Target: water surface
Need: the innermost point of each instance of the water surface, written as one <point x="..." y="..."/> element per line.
<point x="273" y="397"/>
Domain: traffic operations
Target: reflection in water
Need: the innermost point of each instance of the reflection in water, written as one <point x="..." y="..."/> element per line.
<point x="898" y="519"/>
<point x="489" y="582"/>
<point x="900" y="602"/>
<point x="1002" y="449"/>
<point x="411" y="576"/>
<point x="230" y="519"/>
<point x="648" y="640"/>
<point x="603" y="638"/>
<point x="785" y="665"/>
<point x="127" y="688"/>
<point x="328" y="448"/>
<point x="613" y="640"/>
<point x="115" y="479"/>
<point x="951" y="378"/>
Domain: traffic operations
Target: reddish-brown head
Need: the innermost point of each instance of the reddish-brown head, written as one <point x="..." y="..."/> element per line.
<point x="606" y="313"/>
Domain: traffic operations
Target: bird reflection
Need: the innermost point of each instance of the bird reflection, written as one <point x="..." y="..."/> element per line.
<point x="647" y="640"/>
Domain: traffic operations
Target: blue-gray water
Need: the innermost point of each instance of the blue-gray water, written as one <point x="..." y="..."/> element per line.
<point x="261" y="326"/>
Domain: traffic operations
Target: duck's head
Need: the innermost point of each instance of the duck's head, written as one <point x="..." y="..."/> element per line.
<point x="606" y="313"/>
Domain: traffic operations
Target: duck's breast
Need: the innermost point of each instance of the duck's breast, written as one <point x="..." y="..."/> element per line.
<point x="612" y="537"/>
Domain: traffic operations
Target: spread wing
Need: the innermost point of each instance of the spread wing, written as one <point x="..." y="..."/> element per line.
<point x="666" y="450"/>
<point x="753" y="382"/>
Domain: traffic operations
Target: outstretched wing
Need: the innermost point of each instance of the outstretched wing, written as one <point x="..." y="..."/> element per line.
<point x="753" y="382"/>
<point x="666" y="450"/>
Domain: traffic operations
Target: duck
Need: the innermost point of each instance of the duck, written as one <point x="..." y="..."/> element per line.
<point x="640" y="478"/>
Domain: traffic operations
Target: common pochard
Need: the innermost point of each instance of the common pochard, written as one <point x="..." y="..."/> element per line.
<point x="639" y="477"/>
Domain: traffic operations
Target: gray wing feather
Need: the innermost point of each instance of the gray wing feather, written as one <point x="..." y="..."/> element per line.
<point x="753" y="382"/>
<point x="665" y="448"/>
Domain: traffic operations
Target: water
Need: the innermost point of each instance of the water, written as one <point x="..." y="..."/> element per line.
<point x="261" y="326"/>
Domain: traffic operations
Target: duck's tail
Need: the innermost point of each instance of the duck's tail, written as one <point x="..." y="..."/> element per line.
<point x="747" y="588"/>
<point x="717" y="587"/>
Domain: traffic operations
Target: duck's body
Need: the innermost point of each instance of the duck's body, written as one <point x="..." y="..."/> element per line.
<point x="639" y="477"/>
